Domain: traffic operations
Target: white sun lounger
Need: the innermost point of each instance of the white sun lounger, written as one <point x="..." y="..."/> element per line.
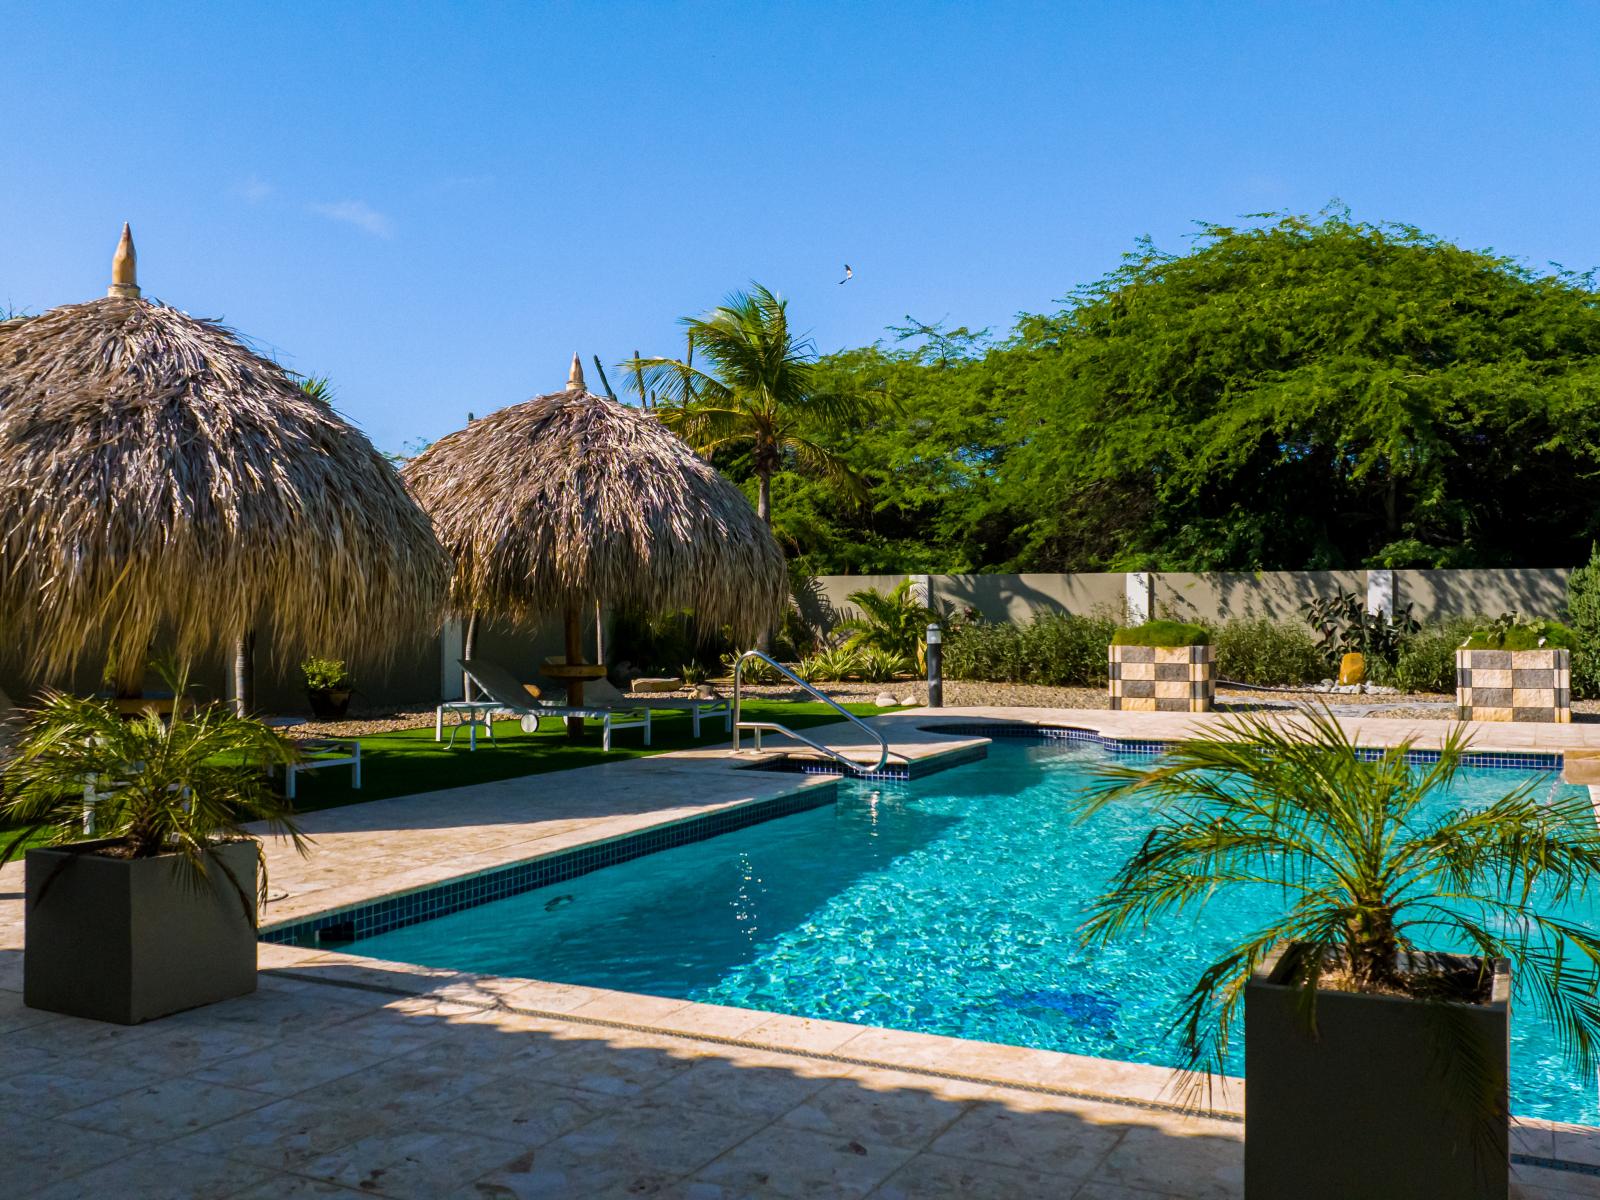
<point x="506" y="694"/>
<point x="603" y="693"/>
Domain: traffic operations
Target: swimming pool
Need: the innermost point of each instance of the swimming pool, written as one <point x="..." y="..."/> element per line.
<point x="944" y="905"/>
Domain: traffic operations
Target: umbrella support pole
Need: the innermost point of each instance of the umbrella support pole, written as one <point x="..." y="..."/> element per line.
<point x="574" y="655"/>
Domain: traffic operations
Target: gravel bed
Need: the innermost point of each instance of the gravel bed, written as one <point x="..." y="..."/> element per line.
<point x="972" y="693"/>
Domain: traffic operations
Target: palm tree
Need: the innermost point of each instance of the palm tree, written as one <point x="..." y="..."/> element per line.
<point x="1370" y="869"/>
<point x="177" y="786"/>
<point x="893" y="621"/>
<point x="756" y="389"/>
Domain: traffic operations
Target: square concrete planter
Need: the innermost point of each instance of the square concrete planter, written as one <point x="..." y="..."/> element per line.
<point x="128" y="940"/>
<point x="1361" y="1109"/>
<point x="1162" y="678"/>
<point x="1514" y="685"/>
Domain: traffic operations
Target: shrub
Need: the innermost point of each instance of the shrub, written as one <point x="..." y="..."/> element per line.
<point x="1583" y="610"/>
<point x="1427" y="661"/>
<point x="892" y="622"/>
<point x="880" y="666"/>
<point x="832" y="666"/>
<point x="1057" y="650"/>
<point x="1267" y="653"/>
<point x="1344" y="626"/>
<point x="1511" y="632"/>
<point x="325" y="674"/>
<point x="1162" y="633"/>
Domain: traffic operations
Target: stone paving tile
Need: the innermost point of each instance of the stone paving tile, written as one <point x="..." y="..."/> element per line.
<point x="167" y="1109"/>
<point x="795" y="1163"/>
<point x="1537" y="1183"/>
<point x="61" y="1084"/>
<point x="1070" y="1143"/>
<point x="640" y="1150"/>
<point x="178" y="1050"/>
<point x="894" y="1108"/>
<point x="15" y="1015"/>
<point x="739" y="1088"/>
<point x="620" y="1065"/>
<point x="75" y="1035"/>
<point x="285" y="1134"/>
<point x="391" y="1090"/>
<point x="935" y="1177"/>
<point x="295" y="1187"/>
<point x="39" y="1153"/>
<point x="412" y="1163"/>
<point x="803" y="1033"/>
<point x="289" y="1065"/>
<point x="526" y="1111"/>
<point x="1189" y="1157"/>
<point x="161" y="1173"/>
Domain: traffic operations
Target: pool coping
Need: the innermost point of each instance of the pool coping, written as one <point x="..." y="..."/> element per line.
<point x="937" y="739"/>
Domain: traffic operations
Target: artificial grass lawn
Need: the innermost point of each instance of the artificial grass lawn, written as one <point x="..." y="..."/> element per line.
<point x="410" y="761"/>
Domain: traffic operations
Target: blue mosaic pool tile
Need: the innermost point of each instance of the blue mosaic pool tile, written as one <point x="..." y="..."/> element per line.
<point x="395" y="912"/>
<point x="1491" y="759"/>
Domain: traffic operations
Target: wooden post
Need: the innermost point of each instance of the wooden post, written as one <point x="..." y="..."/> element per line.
<point x="574" y="656"/>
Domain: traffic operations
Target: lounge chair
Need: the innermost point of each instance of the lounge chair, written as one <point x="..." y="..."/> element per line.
<point x="505" y="694"/>
<point x="601" y="692"/>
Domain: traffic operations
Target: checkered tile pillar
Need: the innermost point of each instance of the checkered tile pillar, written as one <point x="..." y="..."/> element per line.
<point x="1162" y="679"/>
<point x="1514" y="685"/>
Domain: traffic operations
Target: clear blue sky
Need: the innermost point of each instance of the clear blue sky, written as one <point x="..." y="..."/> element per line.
<point x="436" y="204"/>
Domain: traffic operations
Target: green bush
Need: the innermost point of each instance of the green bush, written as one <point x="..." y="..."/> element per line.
<point x="1427" y="661"/>
<point x="1170" y="634"/>
<point x="1268" y="653"/>
<point x="1510" y="633"/>
<point x="1057" y="650"/>
<point x="325" y="674"/>
<point x="1583" y="610"/>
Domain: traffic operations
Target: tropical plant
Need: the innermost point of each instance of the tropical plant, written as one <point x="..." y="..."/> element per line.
<point x="756" y="391"/>
<point x="755" y="670"/>
<point x="325" y="674"/>
<point x="833" y="665"/>
<point x="893" y="621"/>
<point x="175" y="786"/>
<point x="1372" y="867"/>
<point x="692" y="672"/>
<point x="880" y="666"/>
<point x="1344" y="626"/>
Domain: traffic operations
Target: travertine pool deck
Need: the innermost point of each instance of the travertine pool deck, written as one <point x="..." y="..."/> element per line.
<point x="345" y="1076"/>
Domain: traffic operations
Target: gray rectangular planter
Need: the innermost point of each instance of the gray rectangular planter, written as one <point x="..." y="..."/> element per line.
<point x="1361" y="1109"/>
<point x="127" y="940"/>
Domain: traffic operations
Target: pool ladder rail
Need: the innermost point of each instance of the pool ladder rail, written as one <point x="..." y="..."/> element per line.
<point x="756" y="727"/>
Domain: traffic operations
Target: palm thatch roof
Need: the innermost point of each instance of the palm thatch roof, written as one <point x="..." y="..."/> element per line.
<point x="157" y="474"/>
<point x="572" y="497"/>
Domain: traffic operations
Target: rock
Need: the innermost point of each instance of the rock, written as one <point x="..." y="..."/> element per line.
<point x="704" y="691"/>
<point x="909" y="701"/>
<point x="884" y="700"/>
<point x="1325" y="686"/>
<point x="656" y="685"/>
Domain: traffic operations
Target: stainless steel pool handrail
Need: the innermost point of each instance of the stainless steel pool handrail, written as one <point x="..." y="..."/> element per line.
<point x="757" y="726"/>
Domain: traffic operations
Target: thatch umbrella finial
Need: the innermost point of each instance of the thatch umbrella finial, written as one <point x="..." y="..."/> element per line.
<point x="125" y="268"/>
<point x="575" y="377"/>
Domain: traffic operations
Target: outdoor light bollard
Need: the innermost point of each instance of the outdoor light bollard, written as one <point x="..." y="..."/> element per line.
<point x="935" y="667"/>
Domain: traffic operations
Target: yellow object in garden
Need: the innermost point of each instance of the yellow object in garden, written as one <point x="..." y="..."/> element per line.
<point x="1352" y="669"/>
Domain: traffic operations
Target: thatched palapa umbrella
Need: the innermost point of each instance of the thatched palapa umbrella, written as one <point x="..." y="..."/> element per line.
<point x="564" y="500"/>
<point x="158" y="475"/>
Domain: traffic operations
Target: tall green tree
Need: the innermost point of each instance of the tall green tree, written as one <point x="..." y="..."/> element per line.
<point x="755" y="391"/>
<point x="1310" y="392"/>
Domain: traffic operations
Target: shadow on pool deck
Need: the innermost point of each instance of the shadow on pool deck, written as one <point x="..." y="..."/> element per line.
<point x="307" y="1088"/>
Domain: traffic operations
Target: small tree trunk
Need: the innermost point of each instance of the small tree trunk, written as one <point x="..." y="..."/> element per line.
<point x="764" y="511"/>
<point x="574" y="655"/>
<point x="469" y="650"/>
<point x="244" y="674"/>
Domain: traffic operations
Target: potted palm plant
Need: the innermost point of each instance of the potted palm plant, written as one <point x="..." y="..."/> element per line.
<point x="327" y="687"/>
<point x="155" y="911"/>
<point x="1376" y="998"/>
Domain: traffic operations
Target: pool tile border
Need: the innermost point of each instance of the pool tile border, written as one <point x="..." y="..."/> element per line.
<point x="350" y="922"/>
<point x="1532" y="760"/>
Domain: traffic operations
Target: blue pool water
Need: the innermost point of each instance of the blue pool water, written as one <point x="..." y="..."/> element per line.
<point x="946" y="905"/>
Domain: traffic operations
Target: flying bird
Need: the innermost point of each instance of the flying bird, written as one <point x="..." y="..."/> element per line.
<point x="848" y="274"/>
